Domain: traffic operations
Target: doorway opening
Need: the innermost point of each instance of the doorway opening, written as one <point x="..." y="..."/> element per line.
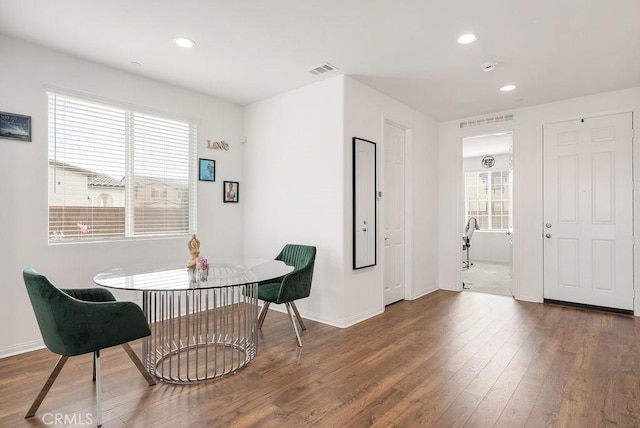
<point x="487" y="239"/>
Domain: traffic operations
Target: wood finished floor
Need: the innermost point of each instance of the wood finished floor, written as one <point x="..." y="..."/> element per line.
<point x="445" y="360"/>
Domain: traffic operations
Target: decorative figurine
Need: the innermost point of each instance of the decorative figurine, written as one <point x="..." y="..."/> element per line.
<point x="194" y="249"/>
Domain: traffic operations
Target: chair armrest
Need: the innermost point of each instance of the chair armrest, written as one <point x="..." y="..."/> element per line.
<point x="90" y="294"/>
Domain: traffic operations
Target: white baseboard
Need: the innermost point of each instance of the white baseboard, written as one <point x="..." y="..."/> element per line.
<point x="424" y="293"/>
<point x="21" y="348"/>
<point x="362" y="316"/>
<point x="330" y="321"/>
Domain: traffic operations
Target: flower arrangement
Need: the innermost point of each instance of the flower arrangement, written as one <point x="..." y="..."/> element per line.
<point x="203" y="269"/>
<point x="83" y="228"/>
<point x="57" y="236"/>
<point x="202" y="263"/>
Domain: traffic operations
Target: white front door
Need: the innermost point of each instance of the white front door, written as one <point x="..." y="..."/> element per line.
<point x="588" y="209"/>
<point x="394" y="251"/>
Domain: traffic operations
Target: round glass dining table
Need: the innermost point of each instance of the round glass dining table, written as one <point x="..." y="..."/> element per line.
<point x="203" y="322"/>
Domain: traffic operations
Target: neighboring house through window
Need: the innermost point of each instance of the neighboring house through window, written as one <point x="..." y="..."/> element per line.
<point x="106" y="200"/>
<point x="118" y="173"/>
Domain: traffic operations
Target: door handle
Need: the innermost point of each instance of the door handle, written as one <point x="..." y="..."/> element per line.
<point x="364" y="229"/>
<point x="548" y="235"/>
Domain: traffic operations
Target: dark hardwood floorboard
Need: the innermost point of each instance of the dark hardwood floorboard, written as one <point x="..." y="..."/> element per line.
<point x="445" y="360"/>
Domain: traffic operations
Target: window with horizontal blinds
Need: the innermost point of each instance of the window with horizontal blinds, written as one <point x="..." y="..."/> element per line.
<point x="488" y="198"/>
<point x="115" y="173"/>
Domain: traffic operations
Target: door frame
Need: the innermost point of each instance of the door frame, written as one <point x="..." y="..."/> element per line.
<point x="635" y="176"/>
<point x="515" y="202"/>
<point x="408" y="204"/>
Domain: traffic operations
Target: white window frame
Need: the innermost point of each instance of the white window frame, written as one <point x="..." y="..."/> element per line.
<point x="130" y="112"/>
<point x="489" y="197"/>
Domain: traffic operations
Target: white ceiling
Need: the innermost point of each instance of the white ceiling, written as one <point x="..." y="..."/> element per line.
<point x="249" y="50"/>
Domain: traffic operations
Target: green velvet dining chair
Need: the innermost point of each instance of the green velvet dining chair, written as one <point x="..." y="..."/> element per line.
<point x="79" y="321"/>
<point x="293" y="286"/>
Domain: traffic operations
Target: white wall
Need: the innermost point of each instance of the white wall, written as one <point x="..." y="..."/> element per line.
<point x="527" y="161"/>
<point x="26" y="71"/>
<point x="474" y="164"/>
<point x="298" y="182"/>
<point x="489" y="246"/>
<point x="293" y="190"/>
<point x="365" y="113"/>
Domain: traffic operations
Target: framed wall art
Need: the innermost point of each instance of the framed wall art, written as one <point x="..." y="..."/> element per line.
<point x="207" y="170"/>
<point x="231" y="189"/>
<point x="15" y="126"/>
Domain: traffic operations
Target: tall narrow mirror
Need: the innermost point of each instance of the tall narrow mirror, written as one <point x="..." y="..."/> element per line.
<point x="364" y="203"/>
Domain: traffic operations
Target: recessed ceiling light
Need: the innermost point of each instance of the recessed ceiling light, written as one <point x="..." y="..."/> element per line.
<point x="508" y="88"/>
<point x="184" y="43"/>
<point x="465" y="39"/>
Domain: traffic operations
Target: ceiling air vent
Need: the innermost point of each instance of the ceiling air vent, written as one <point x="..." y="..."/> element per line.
<point x="321" y="69"/>
<point x="486" y="121"/>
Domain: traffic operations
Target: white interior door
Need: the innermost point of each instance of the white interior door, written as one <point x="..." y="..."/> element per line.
<point x="394" y="206"/>
<point x="588" y="209"/>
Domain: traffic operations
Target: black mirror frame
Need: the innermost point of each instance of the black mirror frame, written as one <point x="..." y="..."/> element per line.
<point x="373" y="187"/>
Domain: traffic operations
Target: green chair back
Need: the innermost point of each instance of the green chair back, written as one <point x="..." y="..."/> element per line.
<point x="297" y="284"/>
<point x="70" y="326"/>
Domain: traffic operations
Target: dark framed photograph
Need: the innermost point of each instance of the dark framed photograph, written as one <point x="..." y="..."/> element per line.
<point x="15" y="126"/>
<point x="231" y="189"/>
<point x="207" y="170"/>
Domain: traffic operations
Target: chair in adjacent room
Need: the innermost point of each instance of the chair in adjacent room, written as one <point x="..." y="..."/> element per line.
<point x="472" y="226"/>
<point x="79" y="321"/>
<point x="293" y="286"/>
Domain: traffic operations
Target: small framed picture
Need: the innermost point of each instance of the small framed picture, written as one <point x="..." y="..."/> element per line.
<point x="231" y="189"/>
<point x="15" y="126"/>
<point x="207" y="170"/>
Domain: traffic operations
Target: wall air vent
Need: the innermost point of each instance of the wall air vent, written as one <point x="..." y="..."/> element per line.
<point x="322" y="69"/>
<point x="486" y="121"/>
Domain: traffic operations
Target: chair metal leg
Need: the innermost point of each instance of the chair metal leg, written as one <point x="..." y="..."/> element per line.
<point x="134" y="357"/>
<point x="263" y="314"/>
<point x="295" y="310"/>
<point x="293" y="323"/>
<point x="96" y="356"/>
<point x="94" y="367"/>
<point x="45" y="389"/>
